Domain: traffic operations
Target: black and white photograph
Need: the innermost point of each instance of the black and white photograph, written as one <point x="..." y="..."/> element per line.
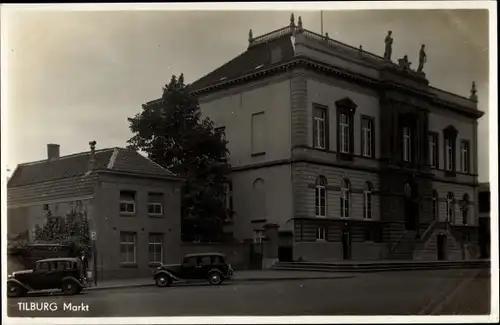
<point x="242" y="162"/>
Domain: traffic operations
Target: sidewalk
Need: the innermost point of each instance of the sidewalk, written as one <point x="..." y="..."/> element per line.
<point x="239" y="276"/>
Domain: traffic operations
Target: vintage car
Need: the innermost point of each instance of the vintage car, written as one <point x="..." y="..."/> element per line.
<point x="211" y="267"/>
<point x="66" y="274"/>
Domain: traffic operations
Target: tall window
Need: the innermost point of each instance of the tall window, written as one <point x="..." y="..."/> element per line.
<point x="450" y="215"/>
<point x="127" y="202"/>
<point x="448" y="154"/>
<point x="464" y="156"/>
<point x="433" y="150"/>
<point x="155" y="204"/>
<point x="321" y="196"/>
<point x="321" y="233"/>
<point x="367" y="202"/>
<point x="155" y="248"/>
<point x="319" y="127"/>
<point x="222" y="131"/>
<point x="128" y="247"/>
<point x="465" y="209"/>
<point x="406" y="144"/>
<point x="344" y="125"/>
<point x="344" y="199"/>
<point x="258" y="133"/>
<point x="228" y="195"/>
<point x="367" y="137"/>
<point x="435" y="205"/>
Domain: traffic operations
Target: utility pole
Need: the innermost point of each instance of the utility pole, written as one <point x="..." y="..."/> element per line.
<point x="321" y="13"/>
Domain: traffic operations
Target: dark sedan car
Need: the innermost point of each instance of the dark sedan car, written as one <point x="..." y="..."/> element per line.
<point x="211" y="267"/>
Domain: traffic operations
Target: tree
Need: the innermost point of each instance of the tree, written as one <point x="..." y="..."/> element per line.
<point x="173" y="134"/>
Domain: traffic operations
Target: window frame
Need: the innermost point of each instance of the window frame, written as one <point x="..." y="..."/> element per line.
<point x="407" y="147"/>
<point x="465" y="162"/>
<point x="345" y="107"/>
<point x="258" y="236"/>
<point x="254" y="147"/>
<point x="222" y="130"/>
<point x="345" y="199"/>
<point x="127" y="243"/>
<point x="127" y="202"/>
<point x="319" y="121"/>
<point x="433" y="150"/>
<point x="368" y="143"/>
<point x="320" y="193"/>
<point x="155" y="244"/>
<point x="321" y="233"/>
<point x="367" y="202"/>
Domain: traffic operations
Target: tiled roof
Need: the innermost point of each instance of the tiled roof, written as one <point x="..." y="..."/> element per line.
<point x="65" y="167"/>
<point x="260" y="56"/>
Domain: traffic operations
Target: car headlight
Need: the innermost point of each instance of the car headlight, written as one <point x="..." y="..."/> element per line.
<point x="9" y="276"/>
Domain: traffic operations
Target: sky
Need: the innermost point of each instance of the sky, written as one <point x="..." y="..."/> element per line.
<point x="76" y="76"/>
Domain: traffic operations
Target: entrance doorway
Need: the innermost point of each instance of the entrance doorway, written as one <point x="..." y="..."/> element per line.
<point x="285" y="247"/>
<point x="441" y="247"/>
<point x="346" y="244"/>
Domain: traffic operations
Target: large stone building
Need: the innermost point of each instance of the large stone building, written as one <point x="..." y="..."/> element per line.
<point x="349" y="154"/>
<point x="131" y="204"/>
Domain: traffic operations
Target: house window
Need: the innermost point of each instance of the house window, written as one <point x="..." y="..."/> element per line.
<point x="464" y="156"/>
<point x="433" y="150"/>
<point x="321" y="233"/>
<point x="155" y="204"/>
<point x="450" y="208"/>
<point x="435" y="202"/>
<point x="258" y="236"/>
<point x="344" y="129"/>
<point x="155" y="248"/>
<point x="406" y="144"/>
<point x="367" y="202"/>
<point x="465" y="210"/>
<point x="319" y="127"/>
<point x="367" y="137"/>
<point x="344" y="199"/>
<point x="320" y="197"/>
<point x="127" y="202"/>
<point x="222" y="131"/>
<point x="128" y="247"/>
<point x="228" y="196"/>
<point x="258" y="134"/>
<point x="448" y="154"/>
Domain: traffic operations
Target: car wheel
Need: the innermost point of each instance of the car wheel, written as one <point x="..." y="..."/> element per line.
<point x="70" y="288"/>
<point x="163" y="281"/>
<point x="14" y="290"/>
<point x="214" y="278"/>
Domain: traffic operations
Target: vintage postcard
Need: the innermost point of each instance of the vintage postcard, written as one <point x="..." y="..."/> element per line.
<point x="249" y="163"/>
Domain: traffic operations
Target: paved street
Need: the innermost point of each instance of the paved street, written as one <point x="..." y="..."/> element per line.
<point x="397" y="293"/>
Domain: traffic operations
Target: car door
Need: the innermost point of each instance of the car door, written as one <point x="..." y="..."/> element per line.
<point x="38" y="279"/>
<point x="53" y="275"/>
<point x="189" y="268"/>
<point x="204" y="266"/>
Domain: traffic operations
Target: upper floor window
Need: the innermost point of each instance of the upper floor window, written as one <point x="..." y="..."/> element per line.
<point x="406" y="144"/>
<point x="433" y="150"/>
<point x="222" y="131"/>
<point x="127" y="202"/>
<point x="155" y="204"/>
<point x="228" y="195"/>
<point x="450" y="136"/>
<point x="367" y="202"/>
<point x="464" y="156"/>
<point x="319" y="127"/>
<point x="450" y="209"/>
<point x="258" y="133"/>
<point x="344" y="127"/>
<point x="367" y="137"/>
<point x="344" y="199"/>
<point x="320" y="196"/>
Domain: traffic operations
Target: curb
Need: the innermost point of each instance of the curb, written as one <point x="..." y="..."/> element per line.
<point x="231" y="281"/>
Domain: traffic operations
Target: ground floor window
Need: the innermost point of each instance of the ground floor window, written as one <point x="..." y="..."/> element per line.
<point x="155" y="248"/>
<point x="321" y="233"/>
<point x="258" y="236"/>
<point x="128" y="247"/>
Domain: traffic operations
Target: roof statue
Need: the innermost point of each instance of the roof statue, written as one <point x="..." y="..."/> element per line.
<point x="300" y="23"/>
<point x="292" y="20"/>
<point x="361" y="50"/>
<point x="250" y="36"/>
<point x="473" y="92"/>
<point x="422" y="59"/>
<point x="404" y="63"/>
<point x="388" y="46"/>
<point x="326" y="36"/>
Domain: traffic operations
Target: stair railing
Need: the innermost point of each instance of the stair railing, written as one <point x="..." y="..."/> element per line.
<point x="428" y="232"/>
<point x="393" y="248"/>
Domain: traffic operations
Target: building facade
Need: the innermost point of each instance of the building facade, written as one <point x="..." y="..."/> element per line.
<point x="132" y="206"/>
<point x="343" y="153"/>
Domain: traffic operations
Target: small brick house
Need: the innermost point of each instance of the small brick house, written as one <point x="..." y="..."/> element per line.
<point x="132" y="206"/>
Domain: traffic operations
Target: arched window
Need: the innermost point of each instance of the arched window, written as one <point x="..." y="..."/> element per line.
<point x="321" y="196"/>
<point x="344" y="199"/>
<point x="367" y="201"/>
<point x="450" y="215"/>
<point x="260" y="198"/>
<point x="435" y="205"/>
<point x="465" y="209"/>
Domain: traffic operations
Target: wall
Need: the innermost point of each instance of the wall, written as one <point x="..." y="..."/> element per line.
<point x="458" y="193"/>
<point x="233" y="109"/>
<point x="111" y="223"/>
<point x="428" y="251"/>
<point x="277" y="206"/>
<point x="238" y="255"/>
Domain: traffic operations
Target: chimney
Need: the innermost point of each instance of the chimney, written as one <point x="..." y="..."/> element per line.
<point x="92" y="156"/>
<point x="52" y="151"/>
